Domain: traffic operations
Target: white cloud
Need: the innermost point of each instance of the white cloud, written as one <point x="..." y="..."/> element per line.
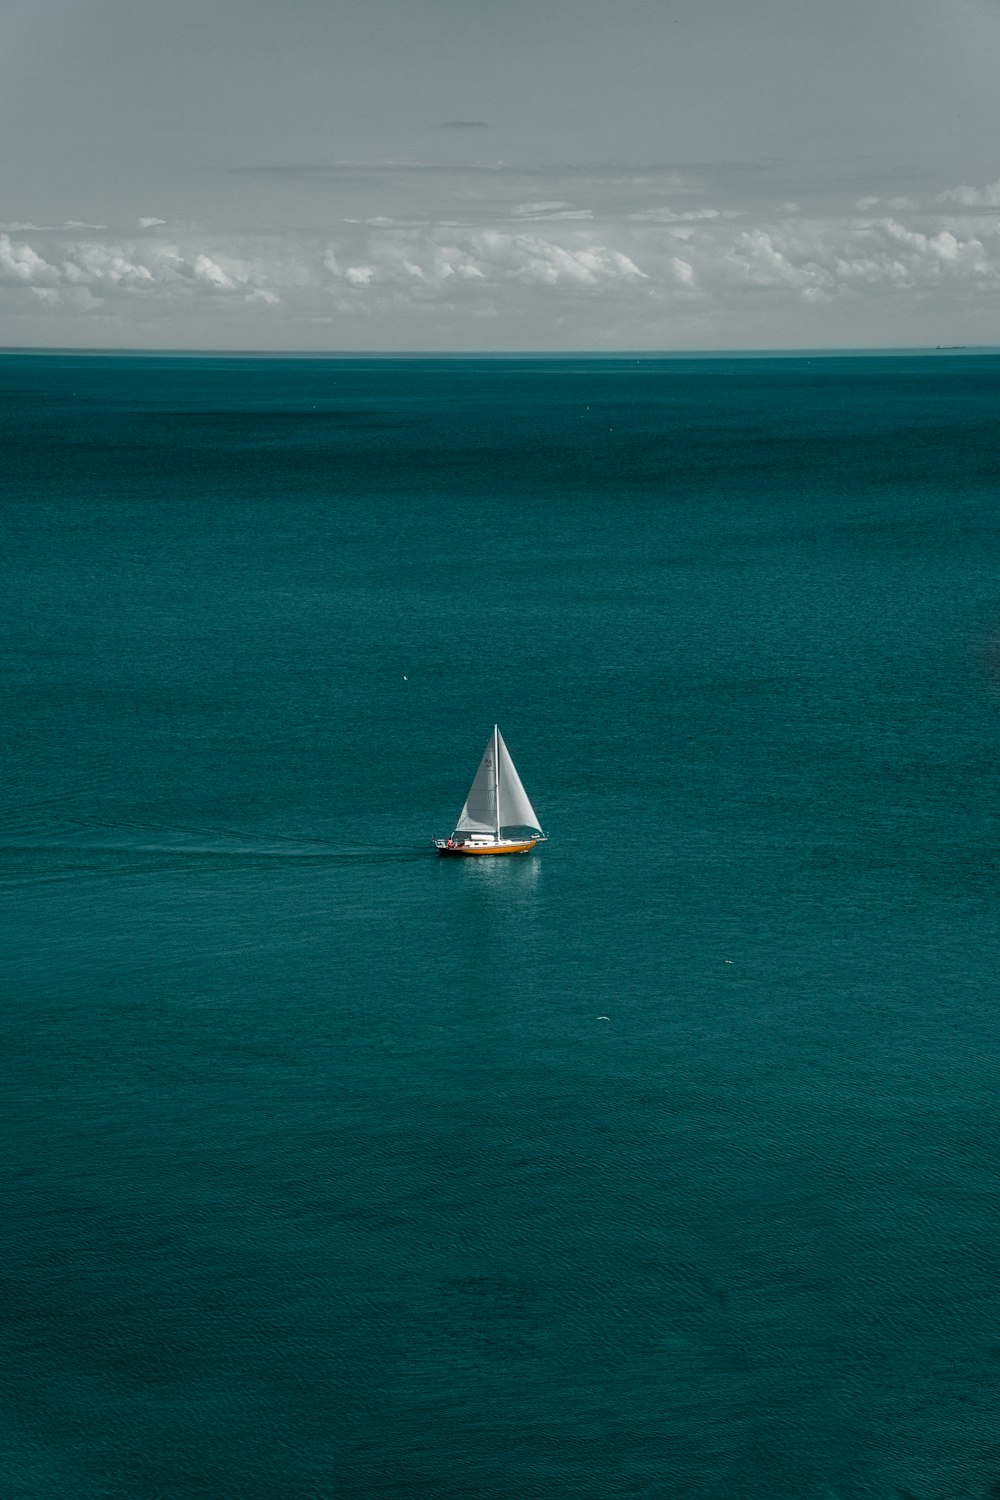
<point x="531" y="259"/>
<point x="92" y="264"/>
<point x="531" y="210"/>
<point x="107" y="269"/>
<point x="821" y="259"/>
<point x="558" y="209"/>
<point x="687" y="216"/>
<point x="971" y="197"/>
<point x="20" y="263"/>
<point x="211" y="273"/>
<point x="435" y="260"/>
<point x="894" y="203"/>
<point x="151" y="223"/>
<point x="381" y="277"/>
<point x="763" y="259"/>
<point x="804" y="256"/>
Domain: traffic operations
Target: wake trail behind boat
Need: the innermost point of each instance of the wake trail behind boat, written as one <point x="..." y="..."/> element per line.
<point x="182" y="842"/>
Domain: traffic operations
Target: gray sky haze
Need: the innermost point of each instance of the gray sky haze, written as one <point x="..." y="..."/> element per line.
<point x="444" y="176"/>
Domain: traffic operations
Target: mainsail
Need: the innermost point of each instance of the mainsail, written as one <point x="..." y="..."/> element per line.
<point x="496" y="781"/>
<point x="479" y="815"/>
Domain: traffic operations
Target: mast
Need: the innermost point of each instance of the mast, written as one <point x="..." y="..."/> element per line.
<point x="496" y="772"/>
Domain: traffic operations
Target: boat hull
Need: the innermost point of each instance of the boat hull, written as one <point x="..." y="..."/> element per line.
<point x="511" y="846"/>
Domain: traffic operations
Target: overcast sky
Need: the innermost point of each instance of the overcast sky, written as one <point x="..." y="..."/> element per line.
<point x="546" y="174"/>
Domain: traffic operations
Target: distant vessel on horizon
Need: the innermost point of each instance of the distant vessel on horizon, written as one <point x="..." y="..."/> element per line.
<point x="496" y="802"/>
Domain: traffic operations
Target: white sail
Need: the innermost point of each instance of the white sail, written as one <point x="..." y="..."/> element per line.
<point x="515" y="809"/>
<point x="479" y="815"/>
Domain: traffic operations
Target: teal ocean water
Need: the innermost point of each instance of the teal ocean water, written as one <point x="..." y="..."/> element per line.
<point x="322" y="1176"/>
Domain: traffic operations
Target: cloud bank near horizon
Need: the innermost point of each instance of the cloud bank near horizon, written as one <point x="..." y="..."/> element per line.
<point x="555" y="272"/>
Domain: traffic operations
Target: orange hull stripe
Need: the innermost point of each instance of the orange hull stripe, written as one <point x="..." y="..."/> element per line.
<point x="487" y="849"/>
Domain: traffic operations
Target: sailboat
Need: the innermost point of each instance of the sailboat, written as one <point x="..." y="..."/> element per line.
<point x="497" y="817"/>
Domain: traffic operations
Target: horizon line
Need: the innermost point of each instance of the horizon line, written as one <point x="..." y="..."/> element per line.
<point x="787" y="352"/>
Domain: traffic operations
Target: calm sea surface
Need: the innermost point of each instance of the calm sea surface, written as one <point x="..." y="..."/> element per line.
<point x="662" y="1164"/>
